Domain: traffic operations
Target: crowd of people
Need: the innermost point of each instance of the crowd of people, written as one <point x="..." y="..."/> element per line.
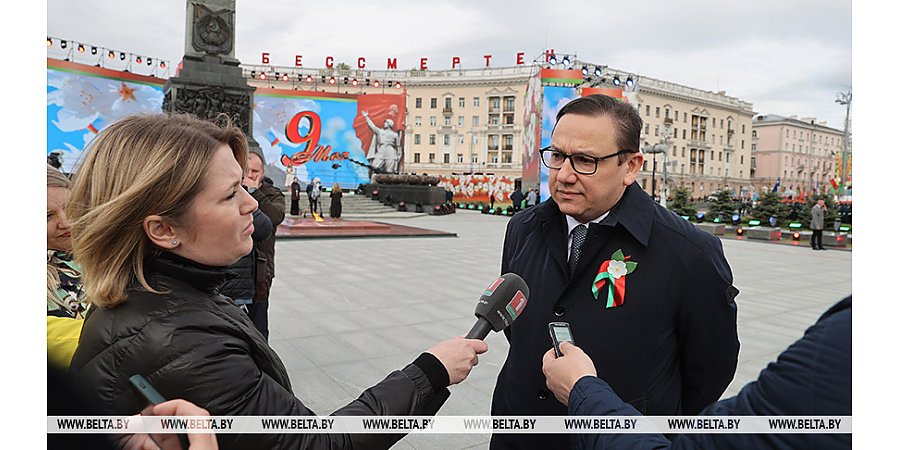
<point x="160" y="259"/>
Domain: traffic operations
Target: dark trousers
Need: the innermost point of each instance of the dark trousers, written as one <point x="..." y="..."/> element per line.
<point x="259" y="315"/>
<point x="816" y="240"/>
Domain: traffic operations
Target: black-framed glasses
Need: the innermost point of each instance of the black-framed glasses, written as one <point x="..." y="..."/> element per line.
<point x="583" y="164"/>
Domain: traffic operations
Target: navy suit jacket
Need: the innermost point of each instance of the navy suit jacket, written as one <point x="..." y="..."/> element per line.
<point x="813" y="377"/>
<point x="670" y="348"/>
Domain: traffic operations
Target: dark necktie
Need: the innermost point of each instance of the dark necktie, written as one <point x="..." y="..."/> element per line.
<point x="578" y="236"/>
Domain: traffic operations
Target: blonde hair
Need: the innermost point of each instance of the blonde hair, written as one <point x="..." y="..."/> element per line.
<point x="336" y="188"/>
<point x="55" y="178"/>
<point x="139" y="166"/>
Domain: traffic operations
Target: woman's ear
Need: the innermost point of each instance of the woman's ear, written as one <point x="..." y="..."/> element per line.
<point x="161" y="232"/>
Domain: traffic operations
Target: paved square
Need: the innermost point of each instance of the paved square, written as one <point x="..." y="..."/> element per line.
<point x="345" y="312"/>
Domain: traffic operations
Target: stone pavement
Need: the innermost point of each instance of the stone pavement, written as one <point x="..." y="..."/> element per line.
<point x="345" y="312"/>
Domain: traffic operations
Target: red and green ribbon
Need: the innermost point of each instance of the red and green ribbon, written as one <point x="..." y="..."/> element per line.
<point x="615" y="294"/>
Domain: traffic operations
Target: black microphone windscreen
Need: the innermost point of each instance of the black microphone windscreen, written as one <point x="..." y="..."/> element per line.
<point x="503" y="301"/>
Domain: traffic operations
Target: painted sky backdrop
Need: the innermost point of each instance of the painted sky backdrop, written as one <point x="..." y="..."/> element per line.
<point x="784" y="57"/>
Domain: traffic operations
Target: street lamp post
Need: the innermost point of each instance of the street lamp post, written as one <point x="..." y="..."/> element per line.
<point x="844" y="98"/>
<point x="662" y="147"/>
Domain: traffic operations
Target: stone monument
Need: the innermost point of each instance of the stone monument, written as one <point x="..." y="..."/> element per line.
<point x="210" y="81"/>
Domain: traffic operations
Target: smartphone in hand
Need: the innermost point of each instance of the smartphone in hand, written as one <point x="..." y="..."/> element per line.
<point x="148" y="396"/>
<point x="560" y="332"/>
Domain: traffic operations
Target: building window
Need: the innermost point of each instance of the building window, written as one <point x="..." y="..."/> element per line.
<point x="742" y="144"/>
<point x="433" y="103"/>
<point x="417" y="158"/>
<point x="475" y="158"/>
<point x="510" y="103"/>
<point x="433" y="120"/>
<point x="462" y="139"/>
<point x="447" y="122"/>
<point x="418" y="121"/>
<point x="507" y="142"/>
<point x="462" y="102"/>
<point x="656" y="130"/>
<point x="459" y="158"/>
<point x="431" y="158"/>
<point x="475" y="120"/>
<point x="657" y="112"/>
<point x="474" y="139"/>
<point x="754" y="134"/>
<point x="742" y="160"/>
<point x="476" y="101"/>
<point x="430" y="139"/>
<point x="752" y="147"/>
<point x="446" y="158"/>
<point x="418" y="139"/>
<point x="743" y="128"/>
<point x="418" y="102"/>
<point x="495" y="104"/>
<point x="647" y="129"/>
<point x="676" y="115"/>
<point x="684" y="132"/>
<point x="648" y="111"/>
<point x="462" y="120"/>
<point x="447" y="101"/>
<point x="447" y="140"/>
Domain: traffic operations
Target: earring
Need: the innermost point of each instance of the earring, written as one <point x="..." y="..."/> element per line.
<point x="174" y="242"/>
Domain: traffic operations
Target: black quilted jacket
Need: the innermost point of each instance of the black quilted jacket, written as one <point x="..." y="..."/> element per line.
<point x="193" y="343"/>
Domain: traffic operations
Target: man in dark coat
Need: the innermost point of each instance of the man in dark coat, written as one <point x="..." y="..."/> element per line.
<point x="517" y="196"/>
<point x="271" y="203"/>
<point x="812" y="377"/>
<point x="242" y="288"/>
<point x="668" y="336"/>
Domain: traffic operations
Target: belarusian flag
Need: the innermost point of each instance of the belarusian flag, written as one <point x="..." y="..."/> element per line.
<point x="834" y="184"/>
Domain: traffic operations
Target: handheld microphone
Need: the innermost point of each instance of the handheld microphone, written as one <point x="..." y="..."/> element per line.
<point x="501" y="303"/>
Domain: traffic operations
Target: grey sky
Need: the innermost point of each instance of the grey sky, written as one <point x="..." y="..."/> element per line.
<point x="785" y="57"/>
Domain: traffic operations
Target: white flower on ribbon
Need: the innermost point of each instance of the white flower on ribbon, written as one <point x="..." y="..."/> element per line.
<point x="617" y="269"/>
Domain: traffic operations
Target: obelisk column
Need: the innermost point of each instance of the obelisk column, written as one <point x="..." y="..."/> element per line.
<point x="210" y="82"/>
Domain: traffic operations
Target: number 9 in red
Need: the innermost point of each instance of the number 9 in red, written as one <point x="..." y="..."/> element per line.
<point x="311" y="139"/>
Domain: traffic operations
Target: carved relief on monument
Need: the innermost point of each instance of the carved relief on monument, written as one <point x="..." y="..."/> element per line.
<point x="213" y="31"/>
<point x="208" y="103"/>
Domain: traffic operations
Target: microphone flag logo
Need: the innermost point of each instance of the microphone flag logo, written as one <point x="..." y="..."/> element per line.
<point x="516" y="305"/>
<point x="493" y="287"/>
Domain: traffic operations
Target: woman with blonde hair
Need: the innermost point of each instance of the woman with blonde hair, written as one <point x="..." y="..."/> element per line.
<point x="336" y="195"/>
<point x="158" y="214"/>
<point x="65" y="307"/>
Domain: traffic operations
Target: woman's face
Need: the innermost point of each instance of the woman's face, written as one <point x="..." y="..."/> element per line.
<point x="59" y="234"/>
<point x="217" y="227"/>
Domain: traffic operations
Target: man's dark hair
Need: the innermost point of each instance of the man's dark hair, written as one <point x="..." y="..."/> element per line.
<point x="627" y="120"/>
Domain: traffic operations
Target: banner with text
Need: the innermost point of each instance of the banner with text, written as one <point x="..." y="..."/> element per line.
<point x="452" y="424"/>
<point x="308" y="134"/>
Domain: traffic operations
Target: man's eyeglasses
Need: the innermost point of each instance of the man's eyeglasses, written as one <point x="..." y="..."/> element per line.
<point x="583" y="164"/>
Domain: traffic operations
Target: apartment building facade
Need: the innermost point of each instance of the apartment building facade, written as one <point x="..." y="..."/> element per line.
<point x="708" y="134"/>
<point x="801" y="153"/>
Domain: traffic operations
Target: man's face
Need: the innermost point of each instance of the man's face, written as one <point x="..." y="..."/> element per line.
<point x="587" y="197"/>
<point x="255" y="171"/>
<point x="821" y="203"/>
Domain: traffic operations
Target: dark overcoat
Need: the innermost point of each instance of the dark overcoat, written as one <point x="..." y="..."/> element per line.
<point x="670" y="347"/>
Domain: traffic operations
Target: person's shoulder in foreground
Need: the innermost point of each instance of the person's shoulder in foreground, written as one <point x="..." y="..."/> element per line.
<point x="812" y="377"/>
